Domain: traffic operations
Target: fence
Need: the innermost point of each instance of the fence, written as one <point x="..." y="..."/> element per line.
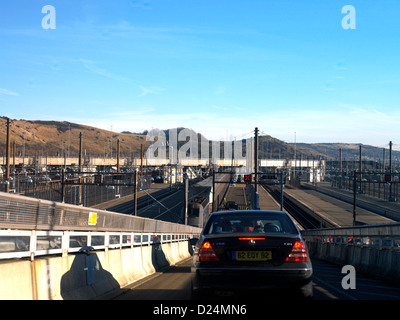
<point x="31" y="227"/>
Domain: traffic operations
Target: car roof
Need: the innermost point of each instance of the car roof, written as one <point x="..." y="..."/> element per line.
<point x="255" y="213"/>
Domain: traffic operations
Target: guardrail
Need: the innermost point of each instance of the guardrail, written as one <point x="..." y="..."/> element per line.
<point x="381" y="236"/>
<point x="373" y="249"/>
<point x="30" y="227"/>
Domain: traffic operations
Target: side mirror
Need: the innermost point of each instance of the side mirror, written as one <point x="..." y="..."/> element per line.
<point x="194" y="241"/>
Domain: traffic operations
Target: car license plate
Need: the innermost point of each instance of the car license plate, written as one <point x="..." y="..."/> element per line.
<point x="252" y="255"/>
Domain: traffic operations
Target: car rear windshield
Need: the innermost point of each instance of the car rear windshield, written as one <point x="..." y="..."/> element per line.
<point x="260" y="223"/>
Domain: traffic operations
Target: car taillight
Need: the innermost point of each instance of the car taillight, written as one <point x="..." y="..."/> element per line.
<point x="298" y="253"/>
<point x="207" y="253"/>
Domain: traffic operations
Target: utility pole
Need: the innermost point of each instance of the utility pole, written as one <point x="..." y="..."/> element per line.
<point x="391" y="198"/>
<point x="118" y="168"/>
<point x="214" y="208"/>
<point x="295" y="159"/>
<point x="80" y="168"/>
<point x="282" y="190"/>
<point x="118" y="156"/>
<point x="7" y="181"/>
<point x="256" y="206"/>
<point x="360" y="166"/>
<point x="141" y="162"/>
<point x="69" y="140"/>
<point x="23" y="152"/>
<point x="186" y="198"/>
<point x="14" y="151"/>
<point x="80" y="152"/>
<point x="354" y="197"/>
<point x="256" y="160"/>
<point x="135" y="193"/>
<point x="340" y="168"/>
<point x="170" y="176"/>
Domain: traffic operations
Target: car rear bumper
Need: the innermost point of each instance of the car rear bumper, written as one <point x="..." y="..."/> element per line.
<point x="227" y="278"/>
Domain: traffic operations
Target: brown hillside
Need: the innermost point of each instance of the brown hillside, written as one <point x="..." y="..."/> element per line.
<point x="53" y="137"/>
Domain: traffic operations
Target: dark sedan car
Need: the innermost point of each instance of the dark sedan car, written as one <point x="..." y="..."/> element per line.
<point x="251" y="249"/>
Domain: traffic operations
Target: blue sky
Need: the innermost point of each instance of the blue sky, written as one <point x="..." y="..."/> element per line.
<point x="219" y="67"/>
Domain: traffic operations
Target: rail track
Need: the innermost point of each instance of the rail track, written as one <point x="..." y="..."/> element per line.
<point x="302" y="217"/>
<point x="127" y="206"/>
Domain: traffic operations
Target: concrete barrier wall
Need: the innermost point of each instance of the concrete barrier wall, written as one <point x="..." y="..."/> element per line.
<point x="382" y="263"/>
<point x="81" y="276"/>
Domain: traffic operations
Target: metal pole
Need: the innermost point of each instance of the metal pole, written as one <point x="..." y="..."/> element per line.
<point x="213" y="192"/>
<point x="256" y="161"/>
<point x="186" y="198"/>
<point x="80" y="168"/>
<point x="281" y="190"/>
<point x="361" y="191"/>
<point x="170" y="176"/>
<point x="295" y="160"/>
<point x="340" y="168"/>
<point x="391" y="198"/>
<point x="141" y="162"/>
<point x="7" y="181"/>
<point x="23" y="152"/>
<point x="135" y="194"/>
<point x="354" y="197"/>
<point x="14" y="151"/>
<point x="118" y="156"/>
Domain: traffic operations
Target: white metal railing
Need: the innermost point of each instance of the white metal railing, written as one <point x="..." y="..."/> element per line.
<point x="24" y="213"/>
<point x="22" y="243"/>
<point x="32" y="227"/>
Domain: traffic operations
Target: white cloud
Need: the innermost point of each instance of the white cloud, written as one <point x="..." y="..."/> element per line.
<point x="8" y="92"/>
<point x="92" y="67"/>
<point x="150" y="90"/>
<point x="343" y="124"/>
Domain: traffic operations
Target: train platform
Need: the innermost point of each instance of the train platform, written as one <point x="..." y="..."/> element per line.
<point x="333" y="209"/>
<point x="266" y="202"/>
<point x="238" y="194"/>
<point x="389" y="209"/>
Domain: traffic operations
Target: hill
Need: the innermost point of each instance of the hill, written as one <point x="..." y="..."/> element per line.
<point x="350" y="151"/>
<point x="52" y="137"/>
